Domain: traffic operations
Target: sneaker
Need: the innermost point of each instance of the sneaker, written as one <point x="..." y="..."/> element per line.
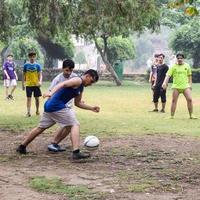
<point x="21" y="149"/>
<point x="193" y="117"/>
<point x="37" y="113"/>
<point x="80" y="155"/>
<point x="162" y="111"/>
<point x="154" y="110"/>
<point x="55" y="148"/>
<point x="28" y="114"/>
<point x="171" y="117"/>
<point x="10" y="97"/>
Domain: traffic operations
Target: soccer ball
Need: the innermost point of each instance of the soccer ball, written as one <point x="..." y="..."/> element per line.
<point x="91" y="142"/>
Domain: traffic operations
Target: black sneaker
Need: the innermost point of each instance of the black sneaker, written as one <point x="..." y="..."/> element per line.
<point x="21" y="149"/>
<point x="162" y="111"/>
<point x="154" y="110"/>
<point x="10" y="97"/>
<point x="80" y="155"/>
<point x="55" y="148"/>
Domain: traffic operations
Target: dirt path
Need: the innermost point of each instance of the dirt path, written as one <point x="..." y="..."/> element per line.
<point x="150" y="167"/>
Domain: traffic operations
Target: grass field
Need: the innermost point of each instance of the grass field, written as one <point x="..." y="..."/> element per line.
<point x="142" y="155"/>
<point x="124" y="111"/>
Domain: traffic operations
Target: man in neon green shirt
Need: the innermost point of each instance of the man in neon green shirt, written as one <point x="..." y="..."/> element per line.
<point x="182" y="83"/>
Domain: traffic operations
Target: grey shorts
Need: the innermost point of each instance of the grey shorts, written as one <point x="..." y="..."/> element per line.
<point x="64" y="117"/>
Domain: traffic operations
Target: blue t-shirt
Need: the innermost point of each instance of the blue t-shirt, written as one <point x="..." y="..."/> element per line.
<point x="61" y="97"/>
<point x="32" y="70"/>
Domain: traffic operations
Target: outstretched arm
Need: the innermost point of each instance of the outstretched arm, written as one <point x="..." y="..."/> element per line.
<point x="82" y="105"/>
<point x="74" y="82"/>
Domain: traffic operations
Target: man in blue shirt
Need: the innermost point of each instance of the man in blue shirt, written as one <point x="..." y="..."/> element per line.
<point x="55" y="110"/>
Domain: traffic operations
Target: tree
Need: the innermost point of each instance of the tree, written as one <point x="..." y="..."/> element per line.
<point x="119" y="49"/>
<point x="80" y="58"/>
<point x="20" y="47"/>
<point x="18" y="19"/>
<point x="187" y="40"/>
<point x="104" y="19"/>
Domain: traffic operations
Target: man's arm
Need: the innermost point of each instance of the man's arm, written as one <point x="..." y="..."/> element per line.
<point x="190" y="80"/>
<point x="82" y="105"/>
<point x="40" y="78"/>
<point x="23" y="80"/>
<point x="165" y="82"/>
<point x="74" y="82"/>
<point x="16" y="75"/>
<point x="5" y="72"/>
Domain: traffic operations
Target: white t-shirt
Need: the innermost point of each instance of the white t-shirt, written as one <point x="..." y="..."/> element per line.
<point x="59" y="79"/>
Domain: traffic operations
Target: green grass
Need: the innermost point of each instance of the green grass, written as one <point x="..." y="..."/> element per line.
<point x="55" y="186"/>
<point x="124" y="111"/>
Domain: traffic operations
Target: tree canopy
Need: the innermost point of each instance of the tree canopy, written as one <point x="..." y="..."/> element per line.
<point x="187" y="40"/>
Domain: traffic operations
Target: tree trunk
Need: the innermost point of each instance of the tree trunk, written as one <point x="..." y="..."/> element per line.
<point x="108" y="65"/>
<point x="48" y="62"/>
<point x="196" y="61"/>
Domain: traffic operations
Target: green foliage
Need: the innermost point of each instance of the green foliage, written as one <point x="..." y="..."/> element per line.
<point x="187" y="40"/>
<point x="80" y="58"/>
<point x="113" y="18"/>
<point x="119" y="48"/>
<point x="22" y="46"/>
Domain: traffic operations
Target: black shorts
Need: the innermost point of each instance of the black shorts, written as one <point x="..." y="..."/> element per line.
<point x="159" y="92"/>
<point x="33" y="89"/>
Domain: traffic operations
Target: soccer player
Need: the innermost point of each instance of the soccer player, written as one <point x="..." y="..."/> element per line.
<point x="55" y="110"/>
<point x="32" y="79"/>
<point x="67" y="73"/>
<point x="182" y="84"/>
<point x="9" y="76"/>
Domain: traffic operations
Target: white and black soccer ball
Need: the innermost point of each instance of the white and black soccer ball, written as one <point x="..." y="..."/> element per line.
<point x="91" y="142"/>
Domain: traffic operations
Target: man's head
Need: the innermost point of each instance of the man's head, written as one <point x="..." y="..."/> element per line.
<point x="180" y="58"/>
<point x="161" y="58"/>
<point x="89" y="77"/>
<point x="32" y="56"/>
<point x="10" y="57"/>
<point x="156" y="58"/>
<point x="68" y="66"/>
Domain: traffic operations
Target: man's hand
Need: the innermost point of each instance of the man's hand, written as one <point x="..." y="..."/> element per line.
<point x="39" y="84"/>
<point x="47" y="94"/>
<point x="164" y="86"/>
<point x="96" y="109"/>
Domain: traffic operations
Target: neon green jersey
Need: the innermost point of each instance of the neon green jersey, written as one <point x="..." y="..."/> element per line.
<point x="180" y="74"/>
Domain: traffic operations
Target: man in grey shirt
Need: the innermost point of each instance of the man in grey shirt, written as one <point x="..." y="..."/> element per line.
<point x="68" y="66"/>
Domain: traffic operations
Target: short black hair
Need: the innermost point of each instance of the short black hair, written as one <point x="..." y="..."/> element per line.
<point x="156" y="55"/>
<point x="180" y="54"/>
<point x="161" y="54"/>
<point x="93" y="73"/>
<point x="10" y="54"/>
<point x="68" y="63"/>
<point x="31" y="53"/>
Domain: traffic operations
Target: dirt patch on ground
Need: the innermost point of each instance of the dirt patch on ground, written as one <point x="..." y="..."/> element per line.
<point x="150" y="167"/>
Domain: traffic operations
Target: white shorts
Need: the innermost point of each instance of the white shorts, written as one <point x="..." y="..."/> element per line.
<point x="64" y="117"/>
<point x="9" y="82"/>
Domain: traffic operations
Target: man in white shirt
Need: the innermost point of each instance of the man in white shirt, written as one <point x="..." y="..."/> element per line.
<point x="68" y="66"/>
